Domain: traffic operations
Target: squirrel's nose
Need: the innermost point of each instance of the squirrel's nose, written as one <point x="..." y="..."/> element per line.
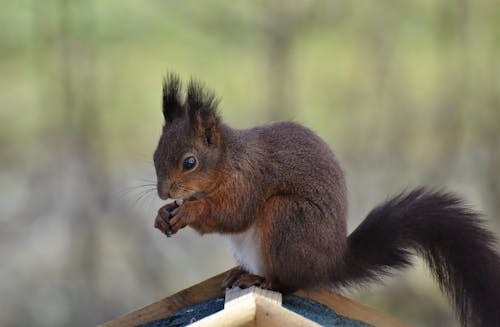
<point x="162" y="190"/>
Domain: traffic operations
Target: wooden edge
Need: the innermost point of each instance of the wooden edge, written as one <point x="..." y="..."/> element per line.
<point x="236" y="294"/>
<point x="211" y="288"/>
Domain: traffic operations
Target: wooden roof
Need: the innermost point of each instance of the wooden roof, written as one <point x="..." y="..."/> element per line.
<point x="211" y="288"/>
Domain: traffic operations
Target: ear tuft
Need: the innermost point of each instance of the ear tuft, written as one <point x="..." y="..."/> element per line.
<point x="172" y="103"/>
<point x="199" y="98"/>
<point x="202" y="112"/>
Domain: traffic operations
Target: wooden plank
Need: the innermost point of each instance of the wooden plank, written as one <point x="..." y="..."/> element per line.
<point x="211" y="288"/>
<point x="269" y="314"/>
<point x="254" y="307"/>
<point x="236" y="294"/>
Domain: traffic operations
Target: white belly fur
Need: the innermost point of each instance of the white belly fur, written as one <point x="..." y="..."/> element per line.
<point x="247" y="250"/>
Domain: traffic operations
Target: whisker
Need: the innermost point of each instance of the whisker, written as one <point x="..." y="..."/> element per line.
<point x="147" y="180"/>
<point x="131" y="189"/>
<point x="143" y="195"/>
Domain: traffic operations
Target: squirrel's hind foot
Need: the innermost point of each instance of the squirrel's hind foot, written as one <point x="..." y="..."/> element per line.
<point x="238" y="277"/>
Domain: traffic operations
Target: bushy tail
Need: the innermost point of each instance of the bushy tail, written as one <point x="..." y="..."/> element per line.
<point x="450" y="237"/>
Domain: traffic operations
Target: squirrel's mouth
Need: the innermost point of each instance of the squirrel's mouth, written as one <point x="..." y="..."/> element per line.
<point x="196" y="196"/>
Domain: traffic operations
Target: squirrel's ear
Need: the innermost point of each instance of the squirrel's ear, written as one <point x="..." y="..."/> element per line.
<point x="172" y="104"/>
<point x="202" y="113"/>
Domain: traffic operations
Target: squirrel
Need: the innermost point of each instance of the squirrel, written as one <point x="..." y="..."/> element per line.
<point x="278" y="193"/>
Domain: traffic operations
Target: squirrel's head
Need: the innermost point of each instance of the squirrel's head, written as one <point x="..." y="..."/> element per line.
<point x="190" y="149"/>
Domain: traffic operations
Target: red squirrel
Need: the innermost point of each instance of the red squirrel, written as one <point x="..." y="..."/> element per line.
<point x="278" y="193"/>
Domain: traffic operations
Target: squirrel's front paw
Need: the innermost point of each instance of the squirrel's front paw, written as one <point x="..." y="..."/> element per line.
<point x="178" y="220"/>
<point x="165" y="214"/>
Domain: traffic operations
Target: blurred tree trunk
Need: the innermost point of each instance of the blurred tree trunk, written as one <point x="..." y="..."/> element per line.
<point x="448" y="120"/>
<point x="80" y="124"/>
<point x="283" y="21"/>
<point x="490" y="134"/>
<point x="280" y="31"/>
<point x="86" y="153"/>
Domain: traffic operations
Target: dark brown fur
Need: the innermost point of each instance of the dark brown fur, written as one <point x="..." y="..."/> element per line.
<point x="286" y="180"/>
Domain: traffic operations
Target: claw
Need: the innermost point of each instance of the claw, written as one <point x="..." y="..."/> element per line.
<point x="162" y="221"/>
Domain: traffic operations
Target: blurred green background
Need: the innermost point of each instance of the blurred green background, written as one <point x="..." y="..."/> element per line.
<point x="406" y="93"/>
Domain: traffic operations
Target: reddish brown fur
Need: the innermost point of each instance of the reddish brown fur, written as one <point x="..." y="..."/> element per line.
<point x="271" y="175"/>
<point x="235" y="200"/>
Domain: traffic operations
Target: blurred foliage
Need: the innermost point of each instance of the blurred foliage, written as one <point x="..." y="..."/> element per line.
<point x="406" y="92"/>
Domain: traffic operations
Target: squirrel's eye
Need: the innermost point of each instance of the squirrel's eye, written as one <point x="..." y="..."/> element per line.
<point x="189" y="163"/>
